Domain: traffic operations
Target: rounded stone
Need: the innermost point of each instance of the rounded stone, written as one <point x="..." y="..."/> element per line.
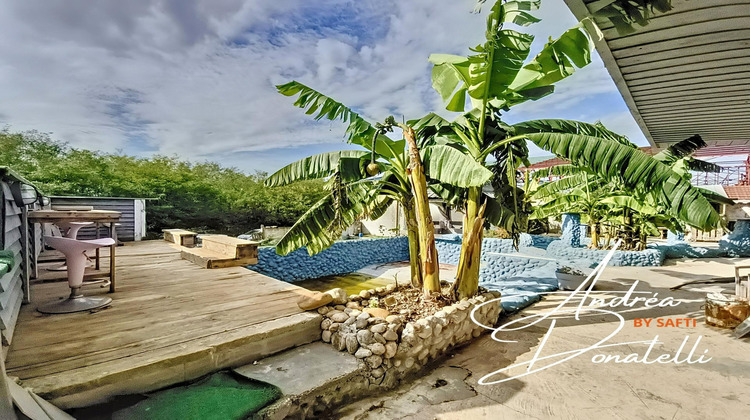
<point x="374" y="361"/>
<point x="378" y="312"/>
<point x="365" y="337"/>
<point x="380" y="291"/>
<point x="390" y="287"/>
<point x="338" y="342"/>
<point x="379" y="328"/>
<point x="362" y="353"/>
<point x="365" y="294"/>
<point x="326" y="336"/>
<point x="335" y="326"/>
<point x="377" y="373"/>
<point x="338" y="316"/>
<point x="363" y="315"/>
<point x="409" y="335"/>
<point x="351" y="343"/>
<point x="390" y="349"/>
<point x="339" y="296"/>
<point x="394" y="319"/>
<point x="425" y="331"/>
<point x="377" y="348"/>
<point x="390" y="335"/>
<point x="379" y="338"/>
<point x="324" y="310"/>
<point x="339" y="307"/>
<point x="353" y="305"/>
<point x="325" y="324"/>
<point x="377" y="320"/>
<point x="361" y="323"/>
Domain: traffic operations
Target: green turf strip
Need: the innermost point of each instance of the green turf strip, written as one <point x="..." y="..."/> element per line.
<point x="220" y="396"/>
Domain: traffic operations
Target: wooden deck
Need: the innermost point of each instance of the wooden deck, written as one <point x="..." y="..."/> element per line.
<point x="170" y="321"/>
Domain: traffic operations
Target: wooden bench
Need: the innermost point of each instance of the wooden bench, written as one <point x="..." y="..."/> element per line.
<point x="180" y="237"/>
<point x="221" y="251"/>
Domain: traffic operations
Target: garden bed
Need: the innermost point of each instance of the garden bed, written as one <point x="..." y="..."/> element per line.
<point x="392" y="345"/>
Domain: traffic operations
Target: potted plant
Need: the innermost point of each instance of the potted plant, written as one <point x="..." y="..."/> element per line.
<point x="569" y="278"/>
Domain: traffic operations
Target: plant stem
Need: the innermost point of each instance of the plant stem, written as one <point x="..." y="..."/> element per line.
<point x="412" y="230"/>
<point x="427" y="250"/>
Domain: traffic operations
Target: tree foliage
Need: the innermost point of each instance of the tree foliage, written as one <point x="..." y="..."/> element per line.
<point x="198" y="196"/>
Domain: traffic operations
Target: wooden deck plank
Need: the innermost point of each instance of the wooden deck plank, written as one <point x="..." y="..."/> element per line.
<point x="166" y="312"/>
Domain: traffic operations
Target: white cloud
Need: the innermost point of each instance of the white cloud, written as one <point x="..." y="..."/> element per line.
<point x="196" y="78"/>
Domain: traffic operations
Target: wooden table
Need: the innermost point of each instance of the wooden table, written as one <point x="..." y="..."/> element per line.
<point x="96" y="216"/>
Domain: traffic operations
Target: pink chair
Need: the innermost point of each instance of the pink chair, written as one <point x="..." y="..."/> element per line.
<point x="70" y="229"/>
<point x="75" y="259"/>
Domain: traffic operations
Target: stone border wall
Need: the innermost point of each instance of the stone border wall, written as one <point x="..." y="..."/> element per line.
<point x="341" y="258"/>
<point x="390" y="348"/>
<point x="584" y="257"/>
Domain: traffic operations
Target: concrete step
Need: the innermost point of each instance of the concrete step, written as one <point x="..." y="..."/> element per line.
<point x="305" y="375"/>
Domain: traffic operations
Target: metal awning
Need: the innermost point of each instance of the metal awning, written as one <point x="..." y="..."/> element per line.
<point x="686" y="72"/>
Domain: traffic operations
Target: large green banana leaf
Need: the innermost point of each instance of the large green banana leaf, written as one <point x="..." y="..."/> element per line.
<point x="451" y="166"/>
<point x="315" y="167"/>
<point x="625" y="14"/>
<point x="555" y="171"/>
<point x="636" y="170"/>
<point x="486" y="75"/>
<point x="358" y="131"/>
<point x="569" y="127"/>
<point x="557" y="60"/>
<point x="632" y="203"/>
<point x="315" y="229"/>
<point x="680" y="149"/>
<point x="564" y="185"/>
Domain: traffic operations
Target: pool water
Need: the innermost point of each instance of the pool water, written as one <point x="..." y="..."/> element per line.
<point x="352" y="283"/>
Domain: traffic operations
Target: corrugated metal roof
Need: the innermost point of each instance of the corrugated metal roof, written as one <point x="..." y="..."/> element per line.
<point x="738" y="192"/>
<point x="686" y="72"/>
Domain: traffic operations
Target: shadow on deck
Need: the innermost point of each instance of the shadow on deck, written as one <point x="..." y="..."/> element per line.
<point x="170" y="321"/>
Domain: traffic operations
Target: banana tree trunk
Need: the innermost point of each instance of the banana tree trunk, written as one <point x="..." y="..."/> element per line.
<point x="427" y="251"/>
<point x="412" y="230"/>
<point x="467" y="275"/>
<point x="594" y="234"/>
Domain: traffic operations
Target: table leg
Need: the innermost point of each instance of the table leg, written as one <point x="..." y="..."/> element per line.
<point x="112" y="275"/>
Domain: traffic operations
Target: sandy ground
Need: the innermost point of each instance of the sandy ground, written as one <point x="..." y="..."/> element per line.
<point x="579" y="388"/>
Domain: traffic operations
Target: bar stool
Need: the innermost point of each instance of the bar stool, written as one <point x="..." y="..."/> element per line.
<point x="72" y="228"/>
<point x="75" y="259"/>
<point x="68" y="230"/>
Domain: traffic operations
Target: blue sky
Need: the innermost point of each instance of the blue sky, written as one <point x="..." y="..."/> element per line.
<point x="195" y="78"/>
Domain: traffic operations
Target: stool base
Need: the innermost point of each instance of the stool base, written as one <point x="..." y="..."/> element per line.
<point x="74" y="304"/>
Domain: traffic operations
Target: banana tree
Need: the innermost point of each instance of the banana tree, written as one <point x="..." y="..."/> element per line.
<point x="638" y="207"/>
<point x="494" y="79"/>
<point x="367" y="193"/>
